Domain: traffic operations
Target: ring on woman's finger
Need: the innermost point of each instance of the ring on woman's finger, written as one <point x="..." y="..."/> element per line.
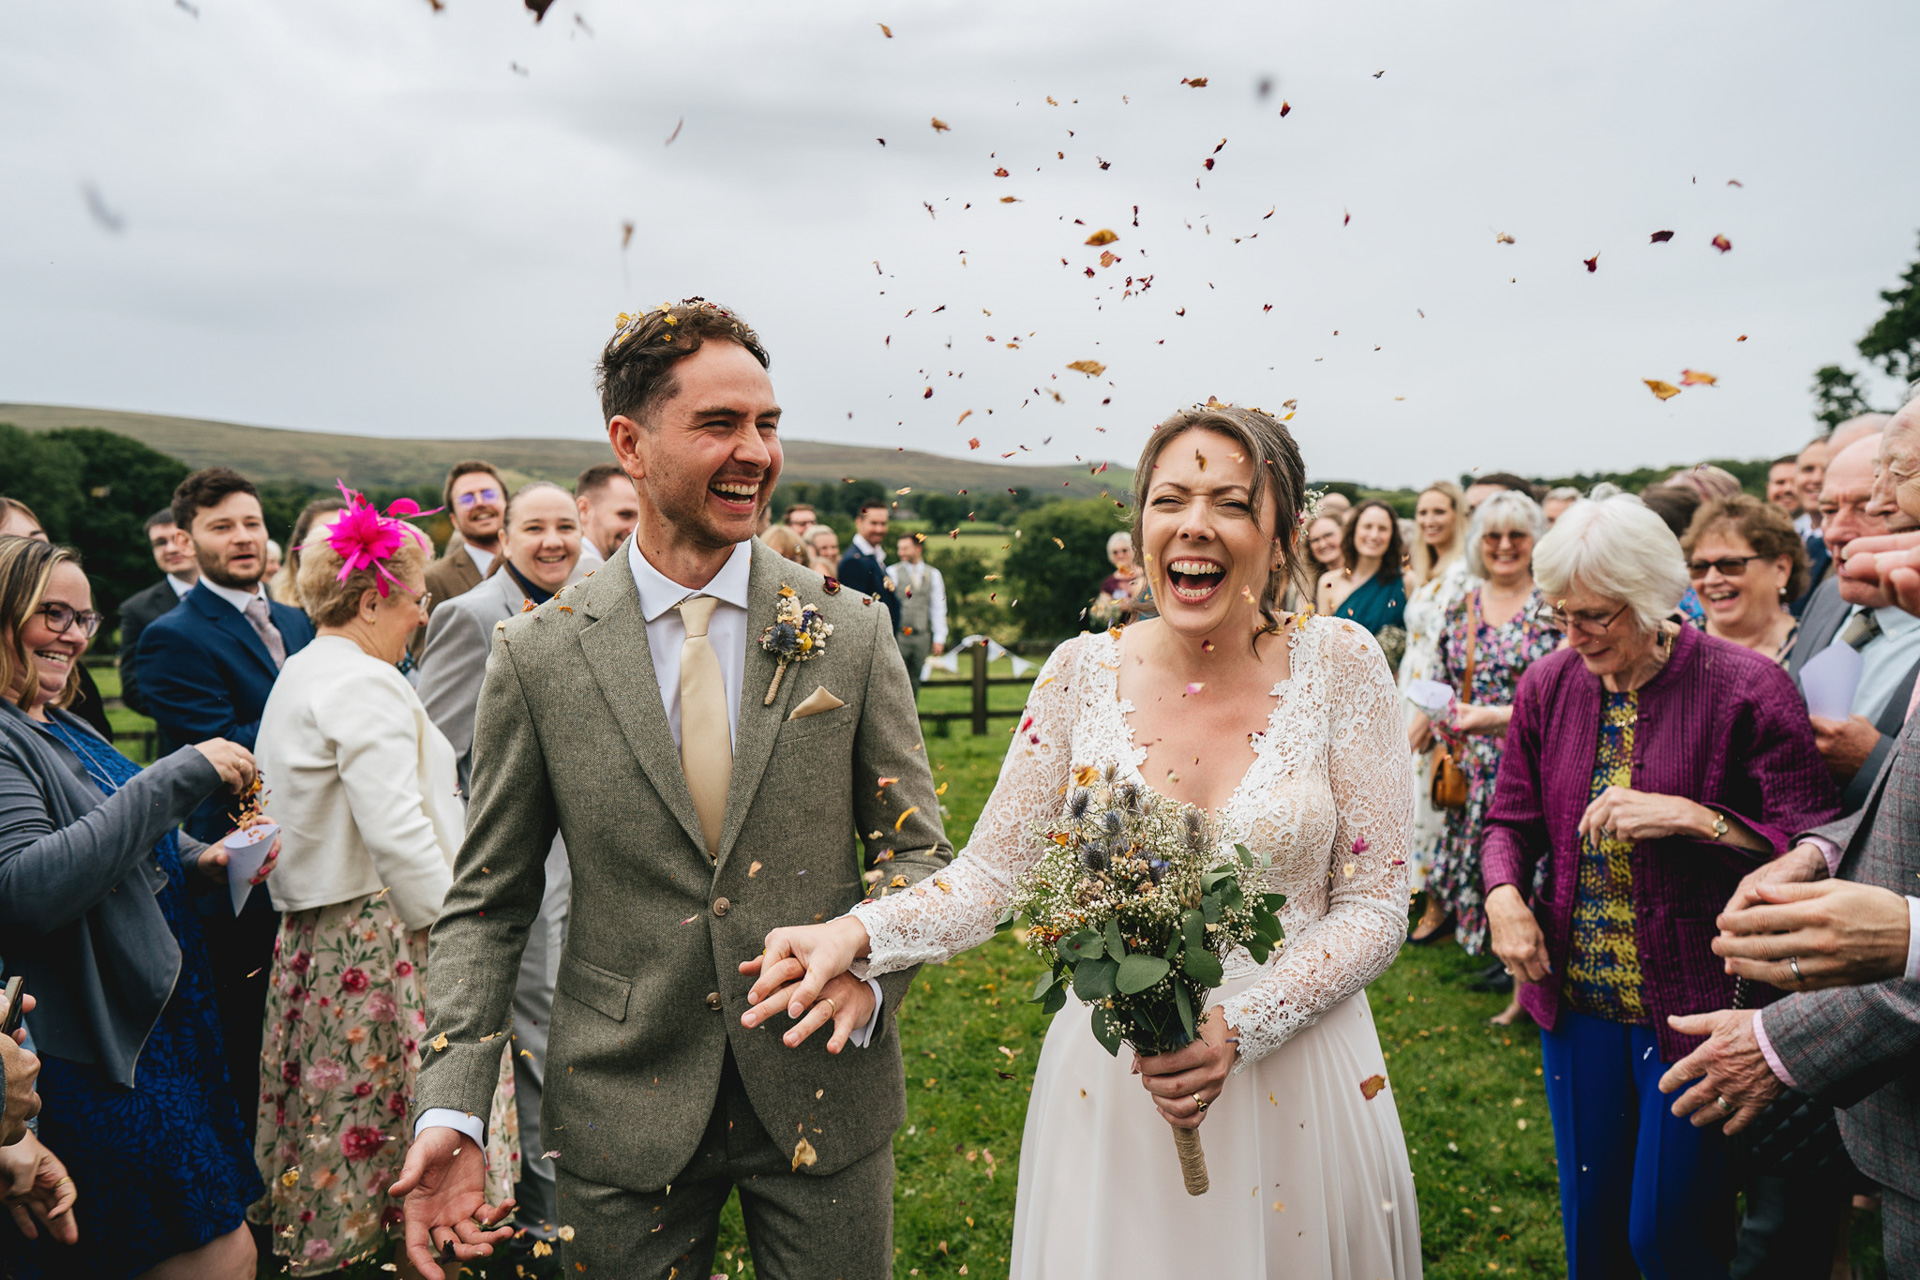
<point x="1201" y="1103"/>
<point x="1793" y="963"/>
<point x="833" y="1007"/>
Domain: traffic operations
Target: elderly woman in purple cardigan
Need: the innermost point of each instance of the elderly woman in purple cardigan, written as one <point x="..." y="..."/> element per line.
<point x="1648" y="767"/>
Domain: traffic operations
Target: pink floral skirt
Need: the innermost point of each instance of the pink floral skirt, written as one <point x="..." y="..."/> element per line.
<point x="346" y="1014"/>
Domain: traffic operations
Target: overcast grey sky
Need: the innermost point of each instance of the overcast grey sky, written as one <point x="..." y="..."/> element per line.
<point x="366" y="216"/>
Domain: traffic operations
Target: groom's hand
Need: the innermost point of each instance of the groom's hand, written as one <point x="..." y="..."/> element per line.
<point x="444" y="1183"/>
<point x="804" y="971"/>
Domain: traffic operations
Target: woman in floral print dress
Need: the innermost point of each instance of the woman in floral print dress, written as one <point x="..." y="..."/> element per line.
<point x="365" y="791"/>
<point x="1503" y="626"/>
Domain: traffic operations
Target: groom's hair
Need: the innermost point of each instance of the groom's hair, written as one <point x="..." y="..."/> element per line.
<point x="635" y="375"/>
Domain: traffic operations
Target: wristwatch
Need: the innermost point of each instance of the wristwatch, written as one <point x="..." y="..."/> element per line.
<point x="1719" y="825"/>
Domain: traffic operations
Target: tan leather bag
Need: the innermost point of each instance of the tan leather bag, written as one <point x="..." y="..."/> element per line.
<point x="1448" y="786"/>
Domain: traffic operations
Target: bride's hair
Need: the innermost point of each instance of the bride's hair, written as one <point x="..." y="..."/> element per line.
<point x="1280" y="470"/>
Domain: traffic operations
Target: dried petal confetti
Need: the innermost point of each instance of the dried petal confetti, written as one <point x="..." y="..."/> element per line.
<point x="1695" y="378"/>
<point x="1092" y="368"/>
<point x="1102" y="236"/>
<point x="804" y="1156"/>
<point x="1371" y="1086"/>
<point x="1665" y="390"/>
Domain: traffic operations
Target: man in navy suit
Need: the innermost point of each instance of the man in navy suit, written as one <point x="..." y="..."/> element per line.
<point x="864" y="566"/>
<point x="205" y="669"/>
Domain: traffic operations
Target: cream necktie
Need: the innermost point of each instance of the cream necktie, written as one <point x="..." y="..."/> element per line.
<point x="706" y="744"/>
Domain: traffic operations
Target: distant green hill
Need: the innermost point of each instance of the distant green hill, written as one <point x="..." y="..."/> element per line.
<point x="271" y="453"/>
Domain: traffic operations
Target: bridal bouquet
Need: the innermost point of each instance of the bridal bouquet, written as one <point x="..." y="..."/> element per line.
<point x="1131" y="907"/>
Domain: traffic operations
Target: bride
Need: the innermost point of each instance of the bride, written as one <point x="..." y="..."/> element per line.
<point x="1288" y="731"/>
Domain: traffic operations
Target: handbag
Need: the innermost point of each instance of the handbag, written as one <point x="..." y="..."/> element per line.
<point x="1796" y="1136"/>
<point x="1448" y="788"/>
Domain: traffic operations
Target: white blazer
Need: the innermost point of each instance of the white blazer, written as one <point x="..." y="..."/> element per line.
<point x="364" y="788"/>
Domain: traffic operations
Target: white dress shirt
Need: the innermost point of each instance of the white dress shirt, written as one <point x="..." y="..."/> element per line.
<point x="726" y="630"/>
<point x="727" y="633"/>
<point x="181" y="585"/>
<point x="590" y="557"/>
<point x="484" y="559"/>
<point x="1885" y="659"/>
<point x="233" y="595"/>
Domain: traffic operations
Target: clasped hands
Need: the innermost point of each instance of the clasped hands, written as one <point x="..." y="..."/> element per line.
<point x="1789" y="926"/>
<point x="804" y="971"/>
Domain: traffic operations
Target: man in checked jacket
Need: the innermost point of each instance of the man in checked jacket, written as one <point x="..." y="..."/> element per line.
<point x="1831" y="924"/>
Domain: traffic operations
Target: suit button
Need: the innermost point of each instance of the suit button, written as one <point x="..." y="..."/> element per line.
<point x="721" y="906"/>
<point x="713" y="1001"/>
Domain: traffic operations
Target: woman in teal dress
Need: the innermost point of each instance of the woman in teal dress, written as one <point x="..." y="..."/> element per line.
<point x="1370" y="588"/>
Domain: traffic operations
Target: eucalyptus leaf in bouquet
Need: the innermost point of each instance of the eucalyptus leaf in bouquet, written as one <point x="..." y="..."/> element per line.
<point x="1135" y="910"/>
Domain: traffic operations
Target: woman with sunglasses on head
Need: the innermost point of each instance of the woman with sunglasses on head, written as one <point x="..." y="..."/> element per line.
<point x="1746" y="563"/>
<point x="1493" y="633"/>
<point x="1648" y="767"/>
<point x="94" y="910"/>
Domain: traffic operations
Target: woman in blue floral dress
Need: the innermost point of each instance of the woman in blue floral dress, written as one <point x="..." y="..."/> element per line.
<point x="94" y="910"/>
<point x="1501" y="628"/>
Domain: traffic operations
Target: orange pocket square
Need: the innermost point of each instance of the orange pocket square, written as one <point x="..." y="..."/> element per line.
<point x="816" y="702"/>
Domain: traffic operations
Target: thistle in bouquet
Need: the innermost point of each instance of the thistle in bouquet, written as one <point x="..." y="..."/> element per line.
<point x="1134" y="909"/>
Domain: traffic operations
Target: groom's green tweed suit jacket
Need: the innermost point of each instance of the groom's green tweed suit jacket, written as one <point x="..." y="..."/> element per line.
<point x="571" y="735"/>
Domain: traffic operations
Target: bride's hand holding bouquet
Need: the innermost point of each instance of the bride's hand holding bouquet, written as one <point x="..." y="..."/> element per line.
<point x="1131" y="906"/>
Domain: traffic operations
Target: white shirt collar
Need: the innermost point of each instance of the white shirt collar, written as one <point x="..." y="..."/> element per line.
<point x="238" y="599"/>
<point x="866" y="548"/>
<point x="181" y="585"/>
<point x="659" y="593"/>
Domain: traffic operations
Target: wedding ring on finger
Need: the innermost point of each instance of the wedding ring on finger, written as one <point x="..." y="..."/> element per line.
<point x="833" y="1007"/>
<point x="1793" y="963"/>
<point x="1726" y="1108"/>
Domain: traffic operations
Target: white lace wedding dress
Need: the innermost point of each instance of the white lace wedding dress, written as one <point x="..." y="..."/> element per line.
<point x="1310" y="1175"/>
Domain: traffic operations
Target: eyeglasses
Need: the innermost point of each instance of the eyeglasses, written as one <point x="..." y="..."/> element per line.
<point x="1586" y="623"/>
<point x="1727" y="566"/>
<point x="477" y="495"/>
<point x="1518" y="537"/>
<point x="62" y="617"/>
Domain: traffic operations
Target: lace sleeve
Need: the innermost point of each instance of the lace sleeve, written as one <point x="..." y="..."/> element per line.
<point x="959" y="906"/>
<point x="1328" y="959"/>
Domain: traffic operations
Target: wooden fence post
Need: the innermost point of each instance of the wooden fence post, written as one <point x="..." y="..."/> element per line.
<point x="979" y="690"/>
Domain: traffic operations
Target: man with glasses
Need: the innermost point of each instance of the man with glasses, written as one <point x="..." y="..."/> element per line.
<point x="1858" y="613"/>
<point x="476" y="501"/>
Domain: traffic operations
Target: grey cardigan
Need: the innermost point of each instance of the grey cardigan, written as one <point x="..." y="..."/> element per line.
<point x="78" y="877"/>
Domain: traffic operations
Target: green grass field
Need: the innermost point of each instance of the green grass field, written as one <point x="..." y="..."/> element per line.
<point x="1470" y="1095"/>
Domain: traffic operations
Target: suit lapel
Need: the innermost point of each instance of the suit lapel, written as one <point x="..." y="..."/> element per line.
<point x="615" y="643"/>
<point x="759" y="724"/>
<point x="1857" y="846"/>
<point x="226" y="618"/>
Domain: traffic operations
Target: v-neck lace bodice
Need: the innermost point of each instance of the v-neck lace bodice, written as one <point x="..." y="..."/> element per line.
<point x="1329" y="795"/>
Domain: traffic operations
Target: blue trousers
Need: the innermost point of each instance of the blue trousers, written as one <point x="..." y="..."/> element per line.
<point x="1641" y="1190"/>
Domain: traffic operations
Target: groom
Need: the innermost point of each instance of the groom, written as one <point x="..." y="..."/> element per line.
<point x="631" y="713"/>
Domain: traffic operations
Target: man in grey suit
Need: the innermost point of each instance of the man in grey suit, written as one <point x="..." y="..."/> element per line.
<point x="540" y="549"/>
<point x="1859" y="613"/>
<point x="709" y="793"/>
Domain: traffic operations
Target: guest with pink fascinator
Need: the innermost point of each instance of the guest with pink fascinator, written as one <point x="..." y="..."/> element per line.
<point x="365" y="791"/>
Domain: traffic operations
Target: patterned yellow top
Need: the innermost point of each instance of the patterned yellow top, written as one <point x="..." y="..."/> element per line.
<point x="1603" y="962"/>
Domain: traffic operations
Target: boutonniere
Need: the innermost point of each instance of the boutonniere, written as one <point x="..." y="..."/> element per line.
<point x="798" y="633"/>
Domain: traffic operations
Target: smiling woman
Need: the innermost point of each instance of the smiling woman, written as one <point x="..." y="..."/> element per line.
<point x="95" y="910"/>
